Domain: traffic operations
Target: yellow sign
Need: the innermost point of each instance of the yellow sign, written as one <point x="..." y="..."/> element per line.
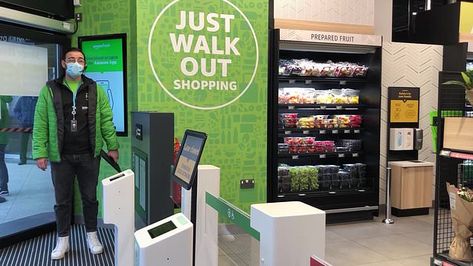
<point x="466" y="18"/>
<point x="404" y="111"/>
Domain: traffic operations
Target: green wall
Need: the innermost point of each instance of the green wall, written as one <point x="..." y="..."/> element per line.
<point x="237" y="133"/>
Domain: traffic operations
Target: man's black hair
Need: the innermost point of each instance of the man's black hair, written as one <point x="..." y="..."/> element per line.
<point x="72" y="49"/>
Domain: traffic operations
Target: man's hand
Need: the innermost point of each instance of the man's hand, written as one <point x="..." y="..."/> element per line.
<point x="42" y="163"/>
<point x="113" y="154"/>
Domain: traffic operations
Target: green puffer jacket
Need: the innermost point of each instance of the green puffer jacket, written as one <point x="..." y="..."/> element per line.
<point x="48" y="128"/>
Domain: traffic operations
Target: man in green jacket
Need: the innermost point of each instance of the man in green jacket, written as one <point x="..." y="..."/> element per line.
<point x="72" y="120"/>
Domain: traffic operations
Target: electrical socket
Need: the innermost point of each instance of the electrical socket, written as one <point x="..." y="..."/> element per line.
<point x="78" y="17"/>
<point x="247" y="183"/>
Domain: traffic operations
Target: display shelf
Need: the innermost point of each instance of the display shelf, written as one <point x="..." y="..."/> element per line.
<point x="456" y="155"/>
<point x="322" y="193"/>
<point x="326" y="155"/>
<point x="321" y="107"/>
<point x="444" y="259"/>
<point x="310" y="80"/>
<point x="318" y="131"/>
<point x="451" y="166"/>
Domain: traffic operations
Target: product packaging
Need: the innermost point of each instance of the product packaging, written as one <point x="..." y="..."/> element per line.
<point x="461" y="212"/>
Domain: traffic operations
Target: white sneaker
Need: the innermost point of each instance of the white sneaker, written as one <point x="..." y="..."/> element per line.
<point x="62" y="247"/>
<point x="94" y="243"/>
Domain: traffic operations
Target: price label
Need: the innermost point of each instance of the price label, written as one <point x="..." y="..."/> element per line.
<point x="323" y="107"/>
<point x="346" y="131"/>
<point x="343" y="82"/>
<point x="335" y="131"/>
<point x="361" y="190"/>
<point x="308" y="81"/>
<point x="287" y="132"/>
<point x="291" y="107"/>
<point x="341" y="155"/>
<point x="339" y="107"/>
<point x="230" y="214"/>
<point x="322" y="156"/>
<point x="355" y="154"/>
<point x="295" y="157"/>
<point x="305" y="132"/>
<point x="452" y="197"/>
<point x="332" y="192"/>
<point x="302" y="195"/>
<point x="322" y="131"/>
<point x="292" y="81"/>
<point x="357" y="131"/>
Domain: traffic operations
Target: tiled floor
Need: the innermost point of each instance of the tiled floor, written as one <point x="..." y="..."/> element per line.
<point x="31" y="192"/>
<point x="407" y="242"/>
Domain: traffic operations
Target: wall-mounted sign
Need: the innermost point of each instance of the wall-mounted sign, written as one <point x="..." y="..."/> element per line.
<point x="466" y="18"/>
<point x="329" y="37"/>
<point x="204" y="54"/>
<point x="466" y="24"/>
<point x="404" y="105"/>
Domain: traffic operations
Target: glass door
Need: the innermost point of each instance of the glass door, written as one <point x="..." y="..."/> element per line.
<point x="28" y="58"/>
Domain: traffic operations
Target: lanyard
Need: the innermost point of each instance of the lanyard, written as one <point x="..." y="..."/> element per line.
<point x="74" y="96"/>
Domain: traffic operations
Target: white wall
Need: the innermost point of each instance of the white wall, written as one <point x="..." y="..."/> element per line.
<point x="358" y="12"/>
<point x="383" y="18"/>
<point x="410" y="65"/>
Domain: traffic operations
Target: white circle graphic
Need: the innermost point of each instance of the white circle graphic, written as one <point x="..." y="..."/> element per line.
<point x="181" y="101"/>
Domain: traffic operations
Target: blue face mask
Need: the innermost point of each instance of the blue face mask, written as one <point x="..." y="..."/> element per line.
<point x="74" y="70"/>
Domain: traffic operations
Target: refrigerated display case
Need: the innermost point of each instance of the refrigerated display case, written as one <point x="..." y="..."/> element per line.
<point x="324" y="122"/>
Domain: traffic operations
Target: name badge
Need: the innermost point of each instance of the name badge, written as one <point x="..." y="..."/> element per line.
<point x="73" y="125"/>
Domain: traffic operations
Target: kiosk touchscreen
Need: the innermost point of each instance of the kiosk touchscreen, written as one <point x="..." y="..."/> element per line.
<point x="167" y="242"/>
<point x="189" y="157"/>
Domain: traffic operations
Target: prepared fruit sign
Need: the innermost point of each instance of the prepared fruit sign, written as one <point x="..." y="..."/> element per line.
<point x="329" y="37"/>
<point x="404" y="105"/>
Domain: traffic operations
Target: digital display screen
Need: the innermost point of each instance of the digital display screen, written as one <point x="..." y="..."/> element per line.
<point x="106" y="64"/>
<point x="161" y="229"/>
<point x="189" y="156"/>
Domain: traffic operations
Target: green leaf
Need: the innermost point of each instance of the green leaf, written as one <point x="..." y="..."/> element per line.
<point x="467" y="79"/>
<point x="455" y="82"/>
<point x="470" y="74"/>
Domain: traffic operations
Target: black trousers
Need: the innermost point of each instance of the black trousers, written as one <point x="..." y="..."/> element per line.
<point x="86" y="168"/>
<point x="3" y="169"/>
<point x="25" y="137"/>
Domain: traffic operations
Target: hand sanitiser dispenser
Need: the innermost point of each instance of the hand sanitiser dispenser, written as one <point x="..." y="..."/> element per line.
<point x="166" y="242"/>
<point x="405" y="139"/>
<point x="418" y="139"/>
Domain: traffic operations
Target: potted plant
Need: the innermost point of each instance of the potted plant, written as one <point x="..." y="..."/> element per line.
<point x="467" y="77"/>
